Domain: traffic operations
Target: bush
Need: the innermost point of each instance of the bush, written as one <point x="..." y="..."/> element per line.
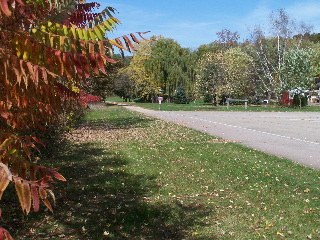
<point x="300" y="100"/>
<point x="208" y="98"/>
<point x="181" y="97"/>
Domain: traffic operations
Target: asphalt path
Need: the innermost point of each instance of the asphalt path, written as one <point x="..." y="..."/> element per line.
<point x="292" y="135"/>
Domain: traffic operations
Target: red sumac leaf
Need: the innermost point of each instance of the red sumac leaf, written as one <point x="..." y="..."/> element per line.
<point x="4" y="234"/>
<point x="129" y="43"/>
<point x="134" y="38"/>
<point x="109" y="59"/>
<point x="77" y="65"/>
<point x="36" y="75"/>
<point x="93" y="63"/>
<point x="5" y="7"/>
<point x="38" y="141"/>
<point x="140" y="34"/>
<point x="33" y="171"/>
<point x="48" y="204"/>
<point x="43" y="193"/>
<point x="85" y="64"/>
<point x="59" y="62"/>
<point x="67" y="64"/>
<point x="35" y="198"/>
<point x="57" y="175"/>
<point x="26" y="150"/>
<point x="100" y="63"/>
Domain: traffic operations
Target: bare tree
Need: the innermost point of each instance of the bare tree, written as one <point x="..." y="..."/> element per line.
<point x="228" y="38"/>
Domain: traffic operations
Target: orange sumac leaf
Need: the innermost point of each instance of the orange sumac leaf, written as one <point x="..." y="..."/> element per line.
<point x="5" y="178"/>
<point x="43" y="193"/>
<point x="102" y="49"/>
<point x="91" y="47"/>
<point x="129" y="43"/>
<point x="6" y="143"/>
<point x="24" y="194"/>
<point x="117" y="44"/>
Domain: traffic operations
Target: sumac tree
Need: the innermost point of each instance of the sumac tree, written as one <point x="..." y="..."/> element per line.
<point x="47" y="51"/>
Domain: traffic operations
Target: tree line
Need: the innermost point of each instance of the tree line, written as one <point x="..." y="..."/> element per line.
<point x="282" y="58"/>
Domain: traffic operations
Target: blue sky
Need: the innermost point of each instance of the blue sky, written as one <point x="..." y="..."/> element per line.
<point x="195" y="22"/>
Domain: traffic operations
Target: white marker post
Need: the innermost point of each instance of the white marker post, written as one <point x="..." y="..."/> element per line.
<point x="160" y="99"/>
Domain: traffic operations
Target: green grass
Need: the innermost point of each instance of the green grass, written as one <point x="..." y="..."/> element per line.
<point x="200" y="106"/>
<point x="135" y="177"/>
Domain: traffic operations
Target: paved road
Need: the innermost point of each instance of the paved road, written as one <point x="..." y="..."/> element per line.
<point x="293" y="135"/>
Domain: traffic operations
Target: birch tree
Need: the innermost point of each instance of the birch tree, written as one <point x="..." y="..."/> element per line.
<point x="270" y="51"/>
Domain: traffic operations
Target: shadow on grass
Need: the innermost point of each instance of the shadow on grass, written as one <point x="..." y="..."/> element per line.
<point x="100" y="200"/>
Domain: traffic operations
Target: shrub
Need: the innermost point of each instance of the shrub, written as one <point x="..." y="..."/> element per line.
<point x="208" y="98"/>
<point x="300" y="100"/>
<point x="181" y="97"/>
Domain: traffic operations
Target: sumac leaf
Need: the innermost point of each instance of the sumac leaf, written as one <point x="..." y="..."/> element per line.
<point x="48" y="204"/>
<point x="35" y="198"/>
<point x="4" y="234"/>
<point x="5" y="7"/>
<point x="5" y="178"/>
<point x="24" y="194"/>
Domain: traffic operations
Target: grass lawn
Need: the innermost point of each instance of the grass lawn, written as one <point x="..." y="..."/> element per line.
<point x="200" y="106"/>
<point x="134" y="177"/>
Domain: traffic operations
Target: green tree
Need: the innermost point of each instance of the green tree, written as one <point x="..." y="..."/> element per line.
<point x="103" y="85"/>
<point x="299" y="69"/>
<point x="227" y="73"/>
<point x="211" y="75"/>
<point x="146" y="86"/>
<point x="168" y="65"/>
<point x="239" y="77"/>
<point x="181" y="96"/>
<point x="124" y="86"/>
